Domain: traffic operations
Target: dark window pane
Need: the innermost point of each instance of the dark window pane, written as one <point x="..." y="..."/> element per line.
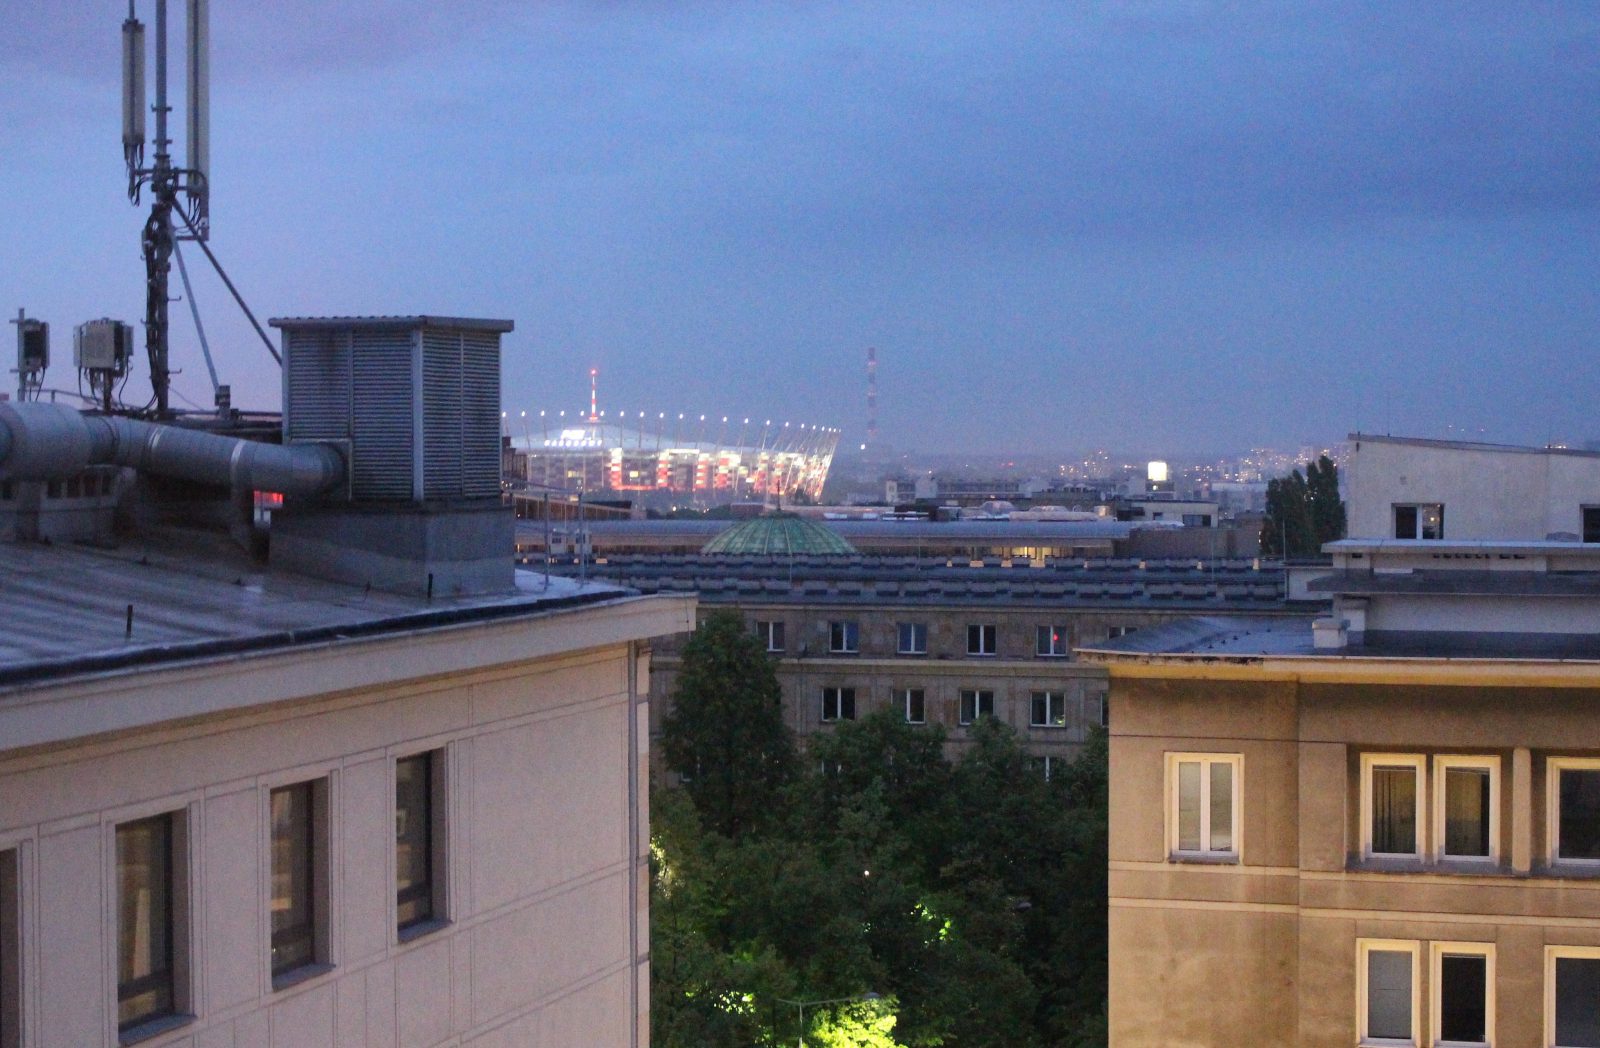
<point x="1462" y="986"/>
<point x="1466" y="812"/>
<point x="1591" y="523"/>
<point x="1394" y="810"/>
<point x="293" y="879"/>
<point x="1580" y="814"/>
<point x="1389" y="994"/>
<point x="916" y="707"/>
<point x="413" y="839"/>
<point x="847" y="704"/>
<point x="144" y="921"/>
<point x="1578" y="1002"/>
<point x="10" y="954"/>
<point x="1405" y="522"/>
<point x="969" y="706"/>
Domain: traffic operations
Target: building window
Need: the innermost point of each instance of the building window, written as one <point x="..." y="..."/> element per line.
<point x="1573" y="788"/>
<point x="419" y="843"/>
<point x="1419" y="521"/>
<point x="771" y="634"/>
<point x="1572" y="996"/>
<point x="915" y="707"/>
<point x="838" y="704"/>
<point x="975" y="704"/>
<point x="913" y="638"/>
<point x="1591" y="523"/>
<point x="1391" y="785"/>
<point x="298" y="820"/>
<point x="1462" y="977"/>
<point x="1050" y="642"/>
<point x="1113" y="632"/>
<point x="981" y="640"/>
<point x="844" y="638"/>
<point x="10" y="953"/>
<point x="148" y="921"/>
<point x="1045" y="766"/>
<point x="1466" y="813"/>
<point x="1049" y="710"/>
<point x="1204" y="805"/>
<point x="1387" y="990"/>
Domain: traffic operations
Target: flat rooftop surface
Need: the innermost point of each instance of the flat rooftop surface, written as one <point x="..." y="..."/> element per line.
<point x="982" y="530"/>
<point x="65" y="607"/>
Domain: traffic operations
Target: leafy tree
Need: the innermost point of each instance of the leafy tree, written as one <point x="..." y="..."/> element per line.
<point x="725" y="734"/>
<point x="1303" y="510"/>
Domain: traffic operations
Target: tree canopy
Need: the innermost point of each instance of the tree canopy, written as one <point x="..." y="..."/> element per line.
<point x="1303" y="511"/>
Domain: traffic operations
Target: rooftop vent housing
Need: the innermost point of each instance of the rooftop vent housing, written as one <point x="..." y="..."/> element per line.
<point x="413" y="402"/>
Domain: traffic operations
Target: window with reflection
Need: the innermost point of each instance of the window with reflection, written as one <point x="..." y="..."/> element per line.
<point x="1391" y="787"/>
<point x="146" y="972"/>
<point x="416" y="841"/>
<point x="1575" y="835"/>
<point x="1203" y="811"/>
<point x="296" y="854"/>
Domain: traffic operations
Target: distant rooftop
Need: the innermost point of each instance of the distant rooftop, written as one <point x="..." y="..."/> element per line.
<point x="1470" y="445"/>
<point x="779" y="533"/>
<point x="414" y="321"/>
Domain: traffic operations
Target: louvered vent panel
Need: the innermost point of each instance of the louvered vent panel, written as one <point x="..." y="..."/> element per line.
<point x="441" y="414"/>
<point x="317" y="385"/>
<point x="385" y="411"/>
<point x="480" y="414"/>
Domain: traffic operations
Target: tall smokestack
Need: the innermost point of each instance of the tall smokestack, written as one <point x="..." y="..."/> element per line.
<point x="872" y="399"/>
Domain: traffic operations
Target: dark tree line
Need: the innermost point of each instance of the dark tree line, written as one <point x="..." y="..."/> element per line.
<point x="1303" y="511"/>
<point x="950" y="902"/>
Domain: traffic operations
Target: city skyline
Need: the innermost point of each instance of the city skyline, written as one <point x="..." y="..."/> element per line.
<point x="1127" y="225"/>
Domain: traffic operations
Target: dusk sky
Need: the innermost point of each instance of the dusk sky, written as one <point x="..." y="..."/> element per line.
<point x="1159" y="227"/>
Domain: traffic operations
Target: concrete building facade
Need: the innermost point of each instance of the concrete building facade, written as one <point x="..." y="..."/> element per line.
<point x="1381" y="827"/>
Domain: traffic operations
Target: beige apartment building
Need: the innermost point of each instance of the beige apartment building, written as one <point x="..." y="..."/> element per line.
<point x="1381" y="827"/>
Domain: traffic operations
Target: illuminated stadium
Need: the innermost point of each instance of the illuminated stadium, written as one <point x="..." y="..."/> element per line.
<point x="699" y="457"/>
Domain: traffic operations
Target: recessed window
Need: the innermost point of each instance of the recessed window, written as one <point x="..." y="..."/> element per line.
<point x="981" y="639"/>
<point x="1114" y="632"/>
<point x="1391" y="788"/>
<point x="298" y="821"/>
<point x="838" y="704"/>
<point x="915" y="706"/>
<point x="419" y="843"/>
<point x="1049" y="710"/>
<point x="1572" y="996"/>
<point x="1423" y="520"/>
<point x="1591" y="523"/>
<point x="913" y="638"/>
<point x="1203" y="805"/>
<point x="1462" y="977"/>
<point x="10" y="953"/>
<point x="844" y="638"/>
<point x="1387" y="984"/>
<point x="1050" y="642"/>
<point x="975" y="704"/>
<point x="1573" y="787"/>
<point x="771" y="634"/>
<point x="1466" y="807"/>
<point x="148" y="920"/>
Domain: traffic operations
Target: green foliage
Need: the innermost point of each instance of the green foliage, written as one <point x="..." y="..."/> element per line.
<point x="725" y="734"/>
<point x="1304" y="511"/>
<point x="969" y="895"/>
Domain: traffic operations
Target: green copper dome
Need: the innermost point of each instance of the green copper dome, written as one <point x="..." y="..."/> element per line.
<point x="780" y="534"/>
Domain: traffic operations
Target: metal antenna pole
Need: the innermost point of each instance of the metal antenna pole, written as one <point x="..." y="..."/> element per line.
<point x="158" y="240"/>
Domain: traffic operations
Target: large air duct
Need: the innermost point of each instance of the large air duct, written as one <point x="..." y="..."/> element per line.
<point x="54" y="442"/>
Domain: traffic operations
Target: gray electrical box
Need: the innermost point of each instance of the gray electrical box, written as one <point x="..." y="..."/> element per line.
<point x="33" y="346"/>
<point x="103" y="345"/>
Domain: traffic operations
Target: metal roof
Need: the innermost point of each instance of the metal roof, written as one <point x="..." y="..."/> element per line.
<point x="66" y="608"/>
<point x="415" y="321"/>
<point x="980" y="530"/>
<point x="779" y="533"/>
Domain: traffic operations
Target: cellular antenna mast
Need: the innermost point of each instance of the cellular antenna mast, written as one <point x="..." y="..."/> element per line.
<point x="181" y="190"/>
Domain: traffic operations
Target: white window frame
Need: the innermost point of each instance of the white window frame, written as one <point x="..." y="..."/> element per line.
<point x="838" y="704"/>
<point x="765" y="628"/>
<point x="919" y="638"/>
<point x="1436" y="953"/>
<point x="1553" y="766"/>
<point x="988" y="638"/>
<point x="848" y="638"/>
<point x="1056" y="700"/>
<point x="1054" y="637"/>
<point x="1442" y="763"/>
<point x="1368" y="946"/>
<point x="1419" y="764"/>
<point x="1551" y="955"/>
<point x="1236" y="760"/>
<point x="977" y="703"/>
<point x="905" y="704"/>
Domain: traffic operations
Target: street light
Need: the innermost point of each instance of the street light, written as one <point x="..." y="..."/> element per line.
<point x="803" y="1005"/>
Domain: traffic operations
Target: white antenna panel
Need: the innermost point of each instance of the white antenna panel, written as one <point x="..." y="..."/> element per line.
<point x="132" y="86"/>
<point x="199" y="70"/>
